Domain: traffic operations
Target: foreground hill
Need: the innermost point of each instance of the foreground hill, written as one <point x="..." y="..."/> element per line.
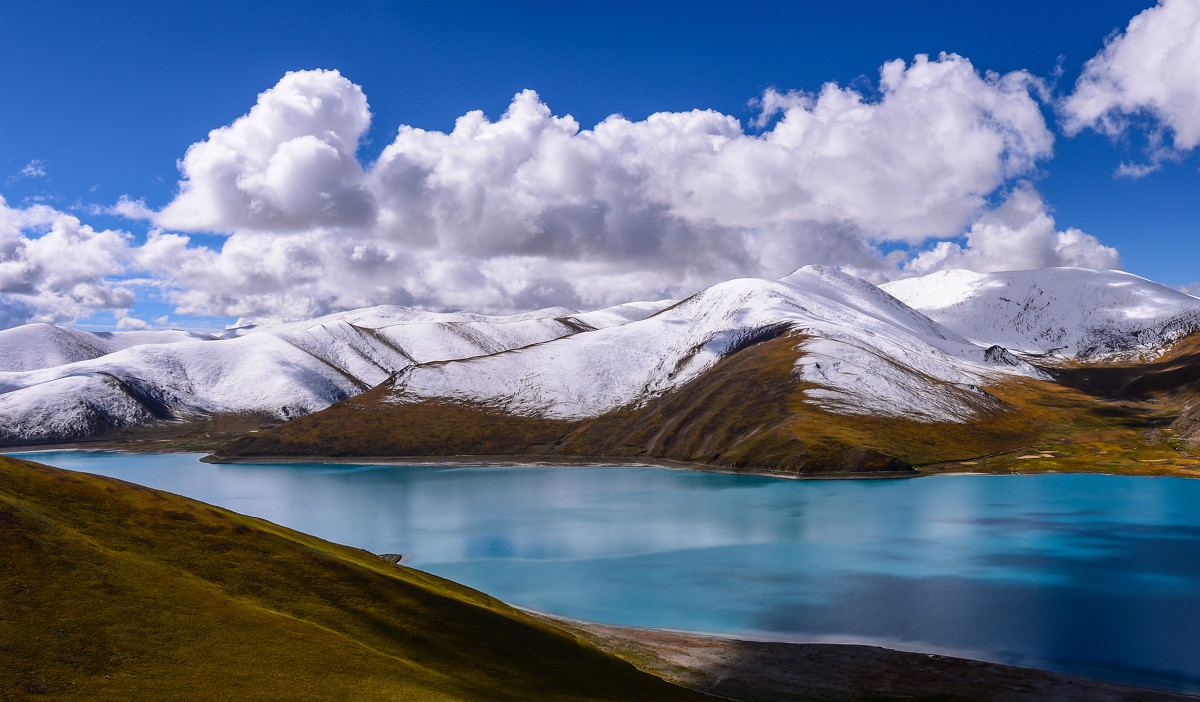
<point x="126" y="379"/>
<point x="111" y="591"/>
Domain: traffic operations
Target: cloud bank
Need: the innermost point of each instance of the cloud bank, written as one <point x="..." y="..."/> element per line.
<point x="1151" y="70"/>
<point x="55" y="269"/>
<point x="532" y="210"/>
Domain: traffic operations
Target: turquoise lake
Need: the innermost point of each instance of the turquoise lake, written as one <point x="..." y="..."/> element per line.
<point x="1093" y="575"/>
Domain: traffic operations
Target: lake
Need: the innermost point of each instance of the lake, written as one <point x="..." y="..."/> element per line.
<point x="1092" y="575"/>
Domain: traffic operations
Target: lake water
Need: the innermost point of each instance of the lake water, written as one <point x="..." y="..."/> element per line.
<point x="1087" y="574"/>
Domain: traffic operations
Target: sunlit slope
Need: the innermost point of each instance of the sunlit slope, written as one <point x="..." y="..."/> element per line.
<point x="1063" y="313"/>
<point x="748" y="411"/>
<point x="60" y="385"/>
<point x="111" y="591"/>
<point x="751" y="411"/>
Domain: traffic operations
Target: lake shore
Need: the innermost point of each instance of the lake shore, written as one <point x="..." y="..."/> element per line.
<point x="1015" y="462"/>
<point x="770" y="671"/>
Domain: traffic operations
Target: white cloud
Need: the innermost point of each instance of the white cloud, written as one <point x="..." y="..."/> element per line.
<point x="1192" y="289"/>
<point x="289" y="163"/>
<point x="1153" y="68"/>
<point x="53" y="268"/>
<point x="128" y="322"/>
<point x="129" y="208"/>
<point x="33" y="169"/>
<point x="532" y="210"/>
<point x="1136" y="170"/>
<point x="1020" y="234"/>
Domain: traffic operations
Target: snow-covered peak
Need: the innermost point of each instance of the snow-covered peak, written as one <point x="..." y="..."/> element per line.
<point x="864" y="351"/>
<point x="1067" y="312"/>
<point x="619" y="314"/>
<point x="34" y="346"/>
<point x="857" y="294"/>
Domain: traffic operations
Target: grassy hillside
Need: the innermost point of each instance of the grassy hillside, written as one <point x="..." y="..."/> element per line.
<point x="749" y="412"/>
<point x="111" y="591"/>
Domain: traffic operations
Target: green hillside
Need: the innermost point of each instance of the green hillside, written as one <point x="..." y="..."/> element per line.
<point x="112" y="591"/>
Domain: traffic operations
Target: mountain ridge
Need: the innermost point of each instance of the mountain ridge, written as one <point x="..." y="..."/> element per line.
<point x="817" y="371"/>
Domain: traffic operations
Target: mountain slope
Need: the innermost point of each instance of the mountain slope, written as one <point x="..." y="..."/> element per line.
<point x="33" y="346"/>
<point x="750" y="374"/>
<point x="864" y="353"/>
<point x="112" y="591"/>
<point x="281" y="371"/>
<point x="1067" y="313"/>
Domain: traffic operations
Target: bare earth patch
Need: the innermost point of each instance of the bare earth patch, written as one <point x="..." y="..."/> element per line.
<point x="757" y="671"/>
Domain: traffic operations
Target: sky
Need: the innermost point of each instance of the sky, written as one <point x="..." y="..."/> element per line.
<point x="201" y="165"/>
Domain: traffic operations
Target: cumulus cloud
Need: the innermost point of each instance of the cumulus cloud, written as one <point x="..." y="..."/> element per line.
<point x="1151" y="69"/>
<point x="53" y="268"/>
<point x="289" y="163"/>
<point x="1020" y="234"/>
<point x="531" y="209"/>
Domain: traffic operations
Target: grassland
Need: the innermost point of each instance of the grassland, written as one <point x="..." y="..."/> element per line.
<point x="111" y="591"/>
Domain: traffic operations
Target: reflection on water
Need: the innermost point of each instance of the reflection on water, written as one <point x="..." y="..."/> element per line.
<point x="1088" y="574"/>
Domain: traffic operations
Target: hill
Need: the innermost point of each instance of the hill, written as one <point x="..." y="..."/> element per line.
<point x="108" y="384"/>
<point x="112" y="591"/>
<point x="1057" y="313"/>
<point x="818" y="372"/>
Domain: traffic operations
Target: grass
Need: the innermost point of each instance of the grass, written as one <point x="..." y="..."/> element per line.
<point x="111" y="591"/>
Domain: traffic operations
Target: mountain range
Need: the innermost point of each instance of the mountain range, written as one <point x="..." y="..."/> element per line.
<point x="818" y="371"/>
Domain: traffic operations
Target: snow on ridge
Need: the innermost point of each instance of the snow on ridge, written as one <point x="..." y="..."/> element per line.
<point x="34" y="346"/>
<point x="282" y="370"/>
<point x="1064" y="312"/>
<point x="620" y="314"/>
<point x="867" y="352"/>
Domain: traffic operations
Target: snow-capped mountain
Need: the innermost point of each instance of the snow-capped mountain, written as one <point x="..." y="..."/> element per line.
<point x="932" y="350"/>
<point x="35" y="346"/>
<point x="117" y="380"/>
<point x="1070" y="313"/>
<point x="864" y="351"/>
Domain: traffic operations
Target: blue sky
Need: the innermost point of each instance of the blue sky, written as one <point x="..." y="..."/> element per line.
<point x="103" y="100"/>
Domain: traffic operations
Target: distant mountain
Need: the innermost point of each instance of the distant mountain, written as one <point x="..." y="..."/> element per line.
<point x="816" y="371"/>
<point x="35" y="346"/>
<point x="1067" y="313"/>
<point x="863" y="353"/>
<point x="108" y="382"/>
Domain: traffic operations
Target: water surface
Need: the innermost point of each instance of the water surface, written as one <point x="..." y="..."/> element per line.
<point x="1087" y="574"/>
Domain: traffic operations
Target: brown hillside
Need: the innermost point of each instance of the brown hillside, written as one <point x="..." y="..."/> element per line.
<point x="747" y="412"/>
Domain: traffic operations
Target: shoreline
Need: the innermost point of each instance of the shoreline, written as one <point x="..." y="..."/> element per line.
<point x="944" y="468"/>
<point x="762" y="669"/>
<point x="465" y="461"/>
<point x="765" y="670"/>
<point x="543" y="461"/>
